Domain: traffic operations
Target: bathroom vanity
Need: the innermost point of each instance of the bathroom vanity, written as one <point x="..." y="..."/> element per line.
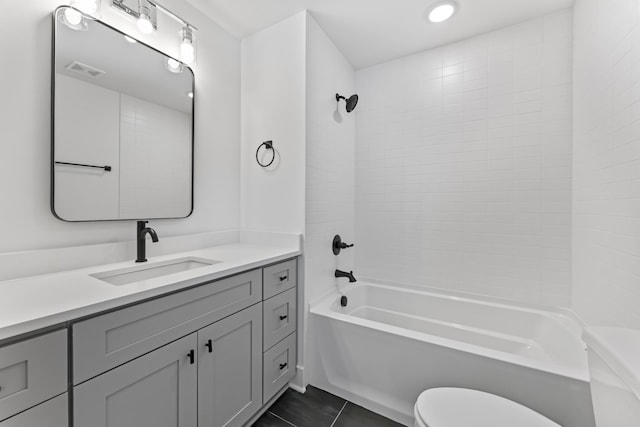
<point x="212" y="352"/>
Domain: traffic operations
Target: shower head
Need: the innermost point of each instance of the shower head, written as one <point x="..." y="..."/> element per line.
<point x="352" y="101"/>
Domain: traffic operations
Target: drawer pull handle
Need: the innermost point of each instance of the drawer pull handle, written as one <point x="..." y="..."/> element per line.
<point x="192" y="357"/>
<point x="282" y="366"/>
<point x="283" y="317"/>
<point x="209" y="346"/>
<point x="283" y="278"/>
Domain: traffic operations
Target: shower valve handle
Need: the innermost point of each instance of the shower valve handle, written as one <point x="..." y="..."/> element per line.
<point x="339" y="245"/>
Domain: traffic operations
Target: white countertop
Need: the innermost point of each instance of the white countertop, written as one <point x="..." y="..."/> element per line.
<point x="37" y="302"/>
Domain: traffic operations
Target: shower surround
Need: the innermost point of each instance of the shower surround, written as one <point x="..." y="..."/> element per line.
<point x="463" y="165"/>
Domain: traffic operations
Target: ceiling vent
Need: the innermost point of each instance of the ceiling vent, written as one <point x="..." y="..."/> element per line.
<point x="87" y="71"/>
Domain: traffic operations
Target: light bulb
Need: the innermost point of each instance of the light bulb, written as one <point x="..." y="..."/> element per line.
<point x="72" y="16"/>
<point x="174" y="66"/>
<point x="187" y="54"/>
<point x="144" y="24"/>
<point x="89" y="7"/>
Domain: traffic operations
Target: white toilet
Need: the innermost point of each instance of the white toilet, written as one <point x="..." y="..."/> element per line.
<point x="614" y="365"/>
<point x="461" y="407"/>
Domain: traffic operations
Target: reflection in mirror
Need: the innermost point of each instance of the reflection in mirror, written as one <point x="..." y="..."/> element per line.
<point x="122" y="127"/>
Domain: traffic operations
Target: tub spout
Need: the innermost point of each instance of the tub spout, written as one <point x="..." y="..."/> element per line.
<point x="340" y="273"/>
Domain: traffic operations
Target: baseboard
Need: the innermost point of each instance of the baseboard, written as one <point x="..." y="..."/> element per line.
<point x="297" y="383"/>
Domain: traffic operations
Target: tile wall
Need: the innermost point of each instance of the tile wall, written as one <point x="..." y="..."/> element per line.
<point x="463" y="165"/>
<point x="606" y="179"/>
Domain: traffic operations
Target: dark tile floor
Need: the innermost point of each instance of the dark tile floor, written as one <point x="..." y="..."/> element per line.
<point x="317" y="408"/>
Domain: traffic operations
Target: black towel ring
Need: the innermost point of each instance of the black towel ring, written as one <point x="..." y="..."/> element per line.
<point x="269" y="146"/>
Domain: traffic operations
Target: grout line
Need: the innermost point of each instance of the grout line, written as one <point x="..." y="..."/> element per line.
<point x="339" y="413"/>
<point x="279" y="417"/>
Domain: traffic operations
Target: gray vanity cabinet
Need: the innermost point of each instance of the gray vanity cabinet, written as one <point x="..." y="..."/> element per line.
<point x="52" y="413"/>
<point x="106" y="341"/>
<point x="155" y="390"/>
<point x="31" y="372"/>
<point x="229" y="369"/>
<point x="194" y="358"/>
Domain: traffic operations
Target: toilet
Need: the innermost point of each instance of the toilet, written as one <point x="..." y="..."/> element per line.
<point x="613" y="354"/>
<point x="460" y="407"/>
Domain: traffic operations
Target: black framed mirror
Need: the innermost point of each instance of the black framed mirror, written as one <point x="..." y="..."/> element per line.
<point x="122" y="126"/>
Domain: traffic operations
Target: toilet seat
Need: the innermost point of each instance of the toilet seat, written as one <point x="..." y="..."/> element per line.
<point x="460" y="407"/>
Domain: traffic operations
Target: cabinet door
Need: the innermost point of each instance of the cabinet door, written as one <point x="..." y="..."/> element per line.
<point x="230" y="369"/>
<point x="155" y="390"/>
<point x="52" y="413"/>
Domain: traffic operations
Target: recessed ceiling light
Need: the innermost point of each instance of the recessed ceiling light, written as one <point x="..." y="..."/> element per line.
<point x="441" y="11"/>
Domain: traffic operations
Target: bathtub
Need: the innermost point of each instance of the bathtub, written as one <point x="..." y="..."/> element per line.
<point x="390" y="343"/>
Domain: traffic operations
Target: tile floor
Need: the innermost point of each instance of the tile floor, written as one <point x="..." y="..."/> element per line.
<point x="317" y="408"/>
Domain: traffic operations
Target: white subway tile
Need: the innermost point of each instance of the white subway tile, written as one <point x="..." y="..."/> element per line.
<point x="465" y="168"/>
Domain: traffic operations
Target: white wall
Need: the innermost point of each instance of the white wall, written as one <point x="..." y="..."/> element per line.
<point x="606" y="185"/>
<point x="330" y="194"/>
<point x="463" y="165"/>
<point x="273" y="108"/>
<point x="330" y="176"/>
<point x="27" y="222"/>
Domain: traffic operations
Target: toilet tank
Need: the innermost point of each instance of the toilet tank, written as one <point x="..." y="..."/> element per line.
<point x="614" y="366"/>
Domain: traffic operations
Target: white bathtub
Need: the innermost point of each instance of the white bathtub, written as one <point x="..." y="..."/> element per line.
<point x="390" y="343"/>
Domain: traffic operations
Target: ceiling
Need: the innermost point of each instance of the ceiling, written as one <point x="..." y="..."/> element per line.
<point x="369" y="32"/>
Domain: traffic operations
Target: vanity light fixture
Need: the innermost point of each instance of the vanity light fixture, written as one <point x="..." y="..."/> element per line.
<point x="441" y="11"/>
<point x="187" y="51"/>
<point x="145" y="14"/>
<point x="144" y="17"/>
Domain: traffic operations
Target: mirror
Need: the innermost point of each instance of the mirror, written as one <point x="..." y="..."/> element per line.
<point x="122" y="138"/>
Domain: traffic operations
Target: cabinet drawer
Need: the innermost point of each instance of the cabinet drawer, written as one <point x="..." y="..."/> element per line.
<point x="53" y="413"/>
<point x="279" y="317"/>
<point x="279" y="277"/>
<point x="107" y="341"/>
<point x="32" y="371"/>
<point x="279" y="366"/>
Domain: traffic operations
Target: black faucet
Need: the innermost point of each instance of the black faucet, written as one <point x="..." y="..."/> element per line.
<point x="141" y="235"/>
<point x="340" y="273"/>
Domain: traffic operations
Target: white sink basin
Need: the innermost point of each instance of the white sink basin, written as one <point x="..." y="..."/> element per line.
<point x="138" y="273"/>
